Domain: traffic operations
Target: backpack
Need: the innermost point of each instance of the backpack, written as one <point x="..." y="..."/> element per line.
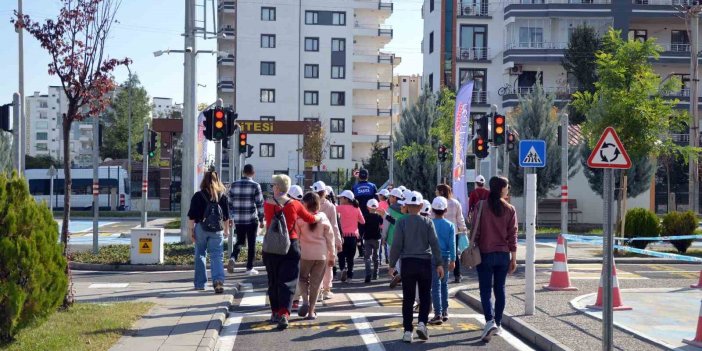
<point x="212" y="221"/>
<point x="277" y="239"/>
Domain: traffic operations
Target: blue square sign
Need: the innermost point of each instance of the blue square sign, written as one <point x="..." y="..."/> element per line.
<point x="532" y="153"/>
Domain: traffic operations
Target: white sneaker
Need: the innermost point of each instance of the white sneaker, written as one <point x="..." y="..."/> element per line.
<point x="327" y="295"/>
<point x="407" y="337"/>
<point x="489" y="331"/>
<point x="252" y="271"/>
<point x="498" y="332"/>
<point x="422" y="331"/>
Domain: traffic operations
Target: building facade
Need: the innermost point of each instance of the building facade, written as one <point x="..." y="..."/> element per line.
<point x="309" y="60"/>
<point x="162" y="107"/>
<point x="406" y="92"/>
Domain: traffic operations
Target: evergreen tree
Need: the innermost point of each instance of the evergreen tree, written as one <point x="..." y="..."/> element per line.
<point x="377" y="165"/>
<point x="638" y="176"/>
<point x="41" y="162"/>
<point x="116" y="131"/>
<point x="579" y="60"/>
<point x="5" y="152"/>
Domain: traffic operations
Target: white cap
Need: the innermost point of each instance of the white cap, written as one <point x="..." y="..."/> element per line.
<point x="396" y="193"/>
<point x="413" y="198"/>
<point x="405" y="194"/>
<point x="295" y="192"/>
<point x="372" y="203"/>
<point x="329" y="189"/>
<point x="347" y="194"/>
<point x="318" y="186"/>
<point x="440" y="203"/>
<point x="402" y="188"/>
<point x="480" y="179"/>
<point x="427" y="207"/>
<point x="384" y="192"/>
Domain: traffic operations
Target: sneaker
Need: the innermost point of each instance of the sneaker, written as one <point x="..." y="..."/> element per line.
<point x="302" y="312"/>
<point x="283" y="322"/>
<point x="498" y="332"/>
<point x="395" y="280"/>
<point x="251" y="272"/>
<point x="312" y="316"/>
<point x="296" y="305"/>
<point x="444" y="316"/>
<point x="327" y="295"/>
<point x="422" y="331"/>
<point x="489" y="331"/>
<point x="349" y="280"/>
<point x="230" y="266"/>
<point x="274" y="318"/>
<point x="407" y="337"/>
<point x="199" y="288"/>
<point x="344" y="275"/>
<point x="218" y="287"/>
<point x="436" y="320"/>
<point x="416" y="307"/>
<point x="458" y="279"/>
<point x="368" y="280"/>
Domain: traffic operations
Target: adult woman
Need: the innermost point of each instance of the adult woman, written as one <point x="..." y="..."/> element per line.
<point x="454" y="214"/>
<point x="497" y="239"/>
<point x="209" y="239"/>
<point x="283" y="270"/>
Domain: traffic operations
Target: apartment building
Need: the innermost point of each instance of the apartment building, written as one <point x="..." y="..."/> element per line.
<point x="407" y="90"/>
<point x="309" y="60"/>
<point x="162" y="107"/>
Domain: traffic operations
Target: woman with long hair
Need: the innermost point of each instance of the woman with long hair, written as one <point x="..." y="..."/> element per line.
<point x="208" y="226"/>
<point x="497" y="239"/>
<point x="454" y="214"/>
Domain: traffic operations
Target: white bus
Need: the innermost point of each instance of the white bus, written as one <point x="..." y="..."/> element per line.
<point x="114" y="187"/>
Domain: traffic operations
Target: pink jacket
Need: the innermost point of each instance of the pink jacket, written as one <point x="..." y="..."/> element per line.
<point x="350" y="218"/>
<point x="317" y="244"/>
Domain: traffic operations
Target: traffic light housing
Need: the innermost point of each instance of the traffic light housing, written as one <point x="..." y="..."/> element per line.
<point x="480" y="136"/>
<point x="231" y="122"/>
<point x="5" y="118"/>
<point x="242" y="142"/>
<point x="209" y="130"/>
<point x="499" y="129"/>
<point x="511" y="141"/>
<point x="443" y="153"/>
<point x="140" y="148"/>
<point x="152" y="143"/>
<point x="480" y="147"/>
<point x="249" y="150"/>
<point x="219" y="124"/>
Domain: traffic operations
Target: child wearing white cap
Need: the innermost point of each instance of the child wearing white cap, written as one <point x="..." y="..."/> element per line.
<point x="351" y="217"/>
<point x="394" y="214"/>
<point x="371" y="240"/>
<point x="426" y="209"/>
<point x="446" y="233"/>
<point x="296" y="192"/>
<point x="329" y="209"/>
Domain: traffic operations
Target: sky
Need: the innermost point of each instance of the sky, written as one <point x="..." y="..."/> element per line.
<point x="145" y="26"/>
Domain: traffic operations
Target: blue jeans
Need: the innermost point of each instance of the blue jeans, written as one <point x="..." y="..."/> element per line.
<point x="492" y="273"/>
<point x="439" y="289"/>
<point x="208" y="242"/>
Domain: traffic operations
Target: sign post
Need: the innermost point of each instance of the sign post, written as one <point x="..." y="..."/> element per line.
<point x="52" y="175"/>
<point x="608" y="154"/>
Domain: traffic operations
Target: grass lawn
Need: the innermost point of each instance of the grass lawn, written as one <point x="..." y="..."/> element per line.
<point x="84" y="327"/>
<point x="175" y="224"/>
<point x="175" y="254"/>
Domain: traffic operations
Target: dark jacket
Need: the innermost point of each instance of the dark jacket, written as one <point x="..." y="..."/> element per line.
<point x="198" y="204"/>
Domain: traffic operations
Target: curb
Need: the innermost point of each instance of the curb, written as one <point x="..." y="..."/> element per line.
<point x="211" y="336"/>
<point x="621" y="260"/>
<point x="78" y="266"/>
<point x="519" y="327"/>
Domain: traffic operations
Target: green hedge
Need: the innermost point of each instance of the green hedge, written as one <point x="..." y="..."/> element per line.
<point x="641" y="222"/>
<point x="680" y="223"/>
<point x="175" y="254"/>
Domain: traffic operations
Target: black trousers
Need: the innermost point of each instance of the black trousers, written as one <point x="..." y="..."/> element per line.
<point x="245" y="232"/>
<point x="457" y="270"/>
<point x="416" y="277"/>
<point x="347" y="254"/>
<point x="283" y="274"/>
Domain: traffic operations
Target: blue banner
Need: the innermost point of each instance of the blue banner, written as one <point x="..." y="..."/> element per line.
<point x="460" y="144"/>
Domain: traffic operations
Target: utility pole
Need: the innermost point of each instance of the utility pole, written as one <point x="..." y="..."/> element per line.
<point x="392" y="125"/>
<point x="129" y="142"/>
<point x="218" y="148"/>
<point x="96" y="182"/>
<point x="564" y="174"/>
<point x="17" y="153"/>
<point x="438" y="171"/>
<point x="22" y="125"/>
<point x="189" y="171"/>
<point x="493" y="156"/>
<point x="694" y="189"/>
<point x="505" y="155"/>
<point x="145" y="174"/>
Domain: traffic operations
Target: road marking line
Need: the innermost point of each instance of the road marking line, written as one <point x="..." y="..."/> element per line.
<point x="228" y="335"/>
<point x="253" y="299"/>
<point x="362" y="300"/>
<point x="108" y="285"/>
<point x="389" y="299"/>
<point x="367" y="334"/>
<point x="245" y="287"/>
<point x="696" y="271"/>
<point x="356" y="314"/>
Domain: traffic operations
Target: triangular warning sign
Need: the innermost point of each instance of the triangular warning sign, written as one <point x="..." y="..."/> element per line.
<point x="145" y="246"/>
<point x="609" y="152"/>
<point x="532" y="157"/>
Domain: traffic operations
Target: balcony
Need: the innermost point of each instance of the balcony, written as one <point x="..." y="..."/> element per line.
<point x="479" y="98"/>
<point x="510" y="97"/>
<point x="374" y="56"/>
<point x="361" y="110"/>
<point x="374" y="85"/>
<point x="227" y="33"/>
<point x="226" y="85"/>
<point x="559" y="8"/>
<point x="227" y="6"/>
<point x="469" y="9"/>
<point x="386" y="6"/>
<point x="664" y="2"/>
<point x="473" y="54"/>
<point x="534" y="51"/>
<point x="376" y="31"/>
<point x="225" y="61"/>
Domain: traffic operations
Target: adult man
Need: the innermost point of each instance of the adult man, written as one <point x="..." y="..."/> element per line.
<point x="363" y="191"/>
<point x="480" y="193"/>
<point x="246" y="211"/>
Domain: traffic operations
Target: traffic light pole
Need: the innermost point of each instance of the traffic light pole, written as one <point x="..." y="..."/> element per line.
<point x="218" y="147"/>
<point x="438" y="172"/>
<point x="494" y="155"/>
<point x="96" y="182"/>
<point x="145" y="175"/>
<point x="17" y="152"/>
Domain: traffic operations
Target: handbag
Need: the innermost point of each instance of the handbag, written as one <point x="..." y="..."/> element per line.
<point x="470" y="257"/>
<point x="277" y="239"/>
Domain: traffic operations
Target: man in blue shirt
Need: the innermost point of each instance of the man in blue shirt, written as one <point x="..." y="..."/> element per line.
<point x="363" y="191"/>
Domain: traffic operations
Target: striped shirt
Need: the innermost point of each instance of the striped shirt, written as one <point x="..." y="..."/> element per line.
<point x="246" y="202"/>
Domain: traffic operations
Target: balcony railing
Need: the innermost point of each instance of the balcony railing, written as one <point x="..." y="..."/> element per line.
<point x="479" y="97"/>
<point x="225" y="61"/>
<point x="677" y="47"/>
<point x="470" y="9"/>
<point x="376" y="30"/>
<point x="682" y="93"/>
<point x="663" y="2"/>
<point x="473" y="54"/>
<point x="559" y="45"/>
<point x="227" y="32"/>
<point x="585" y="2"/>
<point x="227" y="6"/>
<point x="386" y="5"/>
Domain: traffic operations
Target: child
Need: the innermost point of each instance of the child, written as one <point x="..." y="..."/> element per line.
<point x="416" y="246"/>
<point x="295" y="192"/>
<point x="394" y="214"/>
<point x="329" y="209"/>
<point x="426" y="209"/>
<point x="446" y="233"/>
<point x="371" y="241"/>
<point x="351" y="217"/>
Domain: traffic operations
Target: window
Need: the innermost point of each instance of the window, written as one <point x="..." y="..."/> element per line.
<point x="42" y="136"/>
<point x="311" y="71"/>
<point x="638" y="34"/>
<point x="267" y="95"/>
<point x="311" y="17"/>
<point x="473" y="42"/>
<point x="338" y="72"/>
<point x="339" y="18"/>
<point x="267" y="150"/>
<point x="267" y="68"/>
<point x="336" y="152"/>
<point x="431" y="5"/>
<point x="531" y="37"/>
<point x="42" y="115"/>
<point x="338" y="98"/>
<point x="479" y="78"/>
<point x="685" y="80"/>
<point x="311" y="98"/>
<point x="267" y="13"/>
<point x="679" y="41"/>
<point x="42" y="125"/>
<point x="431" y="42"/>
<point x="42" y="147"/>
<point x="338" y="45"/>
<point x="311" y="44"/>
<point x="267" y="41"/>
<point x="311" y="119"/>
<point x="431" y="82"/>
<point x="268" y="118"/>
<point x="337" y="125"/>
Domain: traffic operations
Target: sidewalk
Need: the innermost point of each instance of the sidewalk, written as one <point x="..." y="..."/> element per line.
<point x="183" y="319"/>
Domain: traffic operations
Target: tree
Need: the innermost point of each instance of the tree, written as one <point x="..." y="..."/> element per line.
<point x="116" y="132"/>
<point x="75" y="41"/>
<point x="416" y="156"/>
<point x="5" y="152"/>
<point x="638" y="176"/>
<point x="315" y="145"/>
<point x="443" y="128"/>
<point x="377" y="165"/>
<point x="40" y="162"/>
<point x="536" y="118"/>
<point x="579" y="61"/>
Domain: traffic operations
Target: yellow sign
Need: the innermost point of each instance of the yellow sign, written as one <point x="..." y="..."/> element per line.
<point x="145" y="245"/>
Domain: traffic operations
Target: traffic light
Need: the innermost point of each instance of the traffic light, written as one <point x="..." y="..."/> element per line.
<point x="152" y="143"/>
<point x="5" y="119"/>
<point x="480" y="147"/>
<point x="219" y="130"/>
<point x="443" y="153"/>
<point x="242" y="143"/>
<point x="249" y="150"/>
<point x="499" y="129"/>
<point x="511" y="140"/>
<point x="480" y="136"/>
<point x="231" y="121"/>
<point x="225" y="143"/>
<point x="208" y="124"/>
<point x="140" y="148"/>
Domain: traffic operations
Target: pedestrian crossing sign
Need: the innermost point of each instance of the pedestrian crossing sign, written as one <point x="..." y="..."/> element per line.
<point x="532" y="153"/>
<point x="145" y="245"/>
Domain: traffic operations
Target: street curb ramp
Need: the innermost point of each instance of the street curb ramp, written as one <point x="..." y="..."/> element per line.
<point x="211" y="336"/>
<point x="517" y="326"/>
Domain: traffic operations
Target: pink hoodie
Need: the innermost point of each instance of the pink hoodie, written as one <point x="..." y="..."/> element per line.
<point x="317" y="244"/>
<point x="350" y="218"/>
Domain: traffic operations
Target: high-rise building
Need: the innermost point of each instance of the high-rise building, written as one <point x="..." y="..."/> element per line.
<point x="319" y="60"/>
<point x="407" y="90"/>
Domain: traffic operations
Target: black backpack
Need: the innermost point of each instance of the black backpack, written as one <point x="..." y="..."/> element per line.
<point x="212" y="221"/>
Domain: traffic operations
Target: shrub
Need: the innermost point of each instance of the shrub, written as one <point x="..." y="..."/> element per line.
<point x="33" y="282"/>
<point x="641" y="222"/>
<point x="680" y="223"/>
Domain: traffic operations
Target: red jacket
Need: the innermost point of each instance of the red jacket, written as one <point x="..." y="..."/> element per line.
<point x="292" y="211"/>
<point x="475" y="196"/>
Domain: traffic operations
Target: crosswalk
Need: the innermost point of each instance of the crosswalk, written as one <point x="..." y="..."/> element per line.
<point x="258" y="299"/>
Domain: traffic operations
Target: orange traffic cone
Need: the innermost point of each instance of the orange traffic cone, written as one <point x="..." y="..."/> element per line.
<point x="560" y="280"/>
<point x="616" y="294"/>
<point x="697" y="341"/>
<point x="699" y="283"/>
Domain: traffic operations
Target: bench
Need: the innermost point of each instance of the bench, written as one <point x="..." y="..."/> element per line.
<point x="549" y="211"/>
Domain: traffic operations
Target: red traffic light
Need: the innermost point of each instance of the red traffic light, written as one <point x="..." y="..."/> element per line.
<point x="219" y="114"/>
<point x="242" y="139"/>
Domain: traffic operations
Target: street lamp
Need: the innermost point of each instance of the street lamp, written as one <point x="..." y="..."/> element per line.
<point x="129" y="132"/>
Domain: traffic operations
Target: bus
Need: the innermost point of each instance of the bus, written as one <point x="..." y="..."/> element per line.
<point x="113" y="180"/>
